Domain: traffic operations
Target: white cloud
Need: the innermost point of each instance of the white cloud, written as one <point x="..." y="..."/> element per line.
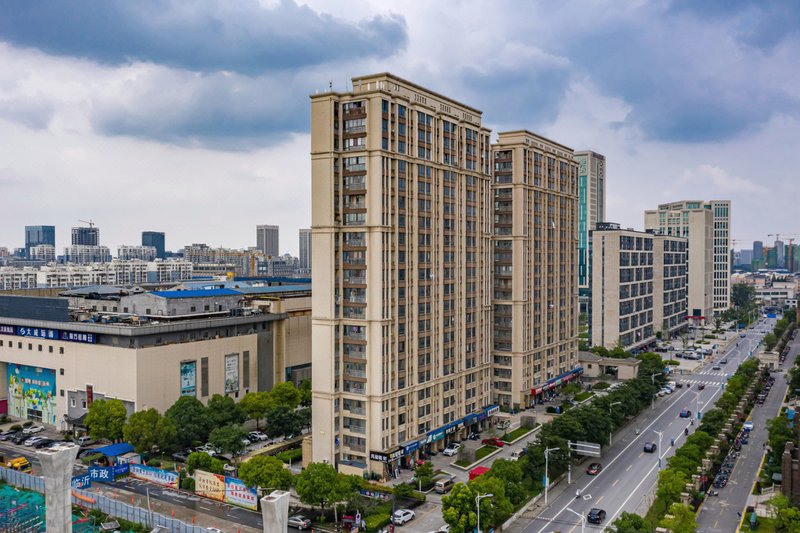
<point x="709" y="178"/>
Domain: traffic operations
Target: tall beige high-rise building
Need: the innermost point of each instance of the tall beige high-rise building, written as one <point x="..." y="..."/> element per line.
<point x="535" y="266"/>
<point x="401" y="238"/>
<point x="638" y="286"/>
<point x="706" y="225"/>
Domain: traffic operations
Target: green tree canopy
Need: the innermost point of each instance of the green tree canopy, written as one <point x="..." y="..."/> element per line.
<point x="320" y="485"/>
<point x="228" y="439"/>
<point x="224" y="411"/>
<point x="256" y="405"/>
<point x="305" y="393"/>
<point x="191" y="420"/>
<point x="631" y="523"/>
<point x="682" y="519"/>
<point x="203" y="461"/>
<point x="283" y="420"/>
<point x="146" y="429"/>
<point x="770" y="340"/>
<point x="498" y="508"/>
<point x="458" y="509"/>
<point x="743" y="295"/>
<point x="285" y="394"/>
<point x="267" y="472"/>
<point x="510" y="474"/>
<point x="106" y="419"/>
<point x="670" y="485"/>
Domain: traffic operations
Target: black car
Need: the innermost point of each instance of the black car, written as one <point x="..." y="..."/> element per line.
<point x="474" y="436"/>
<point x="20" y="437"/>
<point x="701" y="386"/>
<point x="180" y="457"/>
<point x="650" y="447"/>
<point x="43" y="443"/>
<point x="8" y="434"/>
<point x="723" y="362"/>
<point x="596" y="516"/>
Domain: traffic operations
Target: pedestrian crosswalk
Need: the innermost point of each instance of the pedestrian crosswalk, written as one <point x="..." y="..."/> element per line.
<point x="700" y="381"/>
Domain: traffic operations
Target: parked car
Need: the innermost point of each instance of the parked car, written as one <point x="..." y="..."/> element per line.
<point x="19" y="438"/>
<point x="85" y="440"/>
<point x="246" y="442"/>
<point x="32" y="430"/>
<point x="594" y="469"/>
<point x="30" y="441"/>
<point x="44" y="442"/>
<point x="650" y="447"/>
<point x="452" y="449"/>
<point x="493" y="441"/>
<point x="299" y="521"/>
<point x="402" y="516"/>
<point x="180" y="457"/>
<point x="517" y="454"/>
<point x="596" y="516"/>
<point x="258" y="436"/>
<point x="685" y="413"/>
<point x="8" y="435"/>
<point x="443" y="486"/>
<point x="474" y="436"/>
<point x="748" y="426"/>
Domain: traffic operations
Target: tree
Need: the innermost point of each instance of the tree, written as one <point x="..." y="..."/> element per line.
<point x="203" y="461"/>
<point x="305" y="393"/>
<point x="191" y="420"/>
<point x="743" y="295"/>
<point x="321" y="485"/>
<point x="498" y="508"/>
<point x="631" y="523"/>
<point x="223" y="411"/>
<point x="267" y="472"/>
<point x="718" y="322"/>
<point x="106" y="419"/>
<point x="458" y="509"/>
<point x="788" y="516"/>
<point x="670" y="485"/>
<point x="281" y="420"/>
<point x="256" y="405"/>
<point x="682" y="519"/>
<point x="285" y="394"/>
<point x="510" y="474"/>
<point x="228" y="439"/>
<point x="770" y="340"/>
<point x="148" y="429"/>
<point x="569" y="391"/>
<point x="424" y="473"/>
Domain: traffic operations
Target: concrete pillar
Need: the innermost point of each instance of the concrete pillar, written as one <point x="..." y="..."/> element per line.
<point x="57" y="466"/>
<point x="275" y="512"/>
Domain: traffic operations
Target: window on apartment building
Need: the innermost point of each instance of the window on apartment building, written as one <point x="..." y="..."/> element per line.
<point x="30" y="346"/>
<point x="40" y="347"/>
<point x="246" y="372"/>
<point x="61" y="350"/>
<point x="72" y="402"/>
<point x="204" y="376"/>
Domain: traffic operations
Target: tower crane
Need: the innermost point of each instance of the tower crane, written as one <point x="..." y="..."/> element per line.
<point x="91" y="223"/>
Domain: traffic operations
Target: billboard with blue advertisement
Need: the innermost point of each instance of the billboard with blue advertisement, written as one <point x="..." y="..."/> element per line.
<point x="155" y="475"/>
<point x="237" y="493"/>
<point x="108" y="474"/>
<point x="32" y="393"/>
<point x="188" y="378"/>
<point x="82" y="482"/>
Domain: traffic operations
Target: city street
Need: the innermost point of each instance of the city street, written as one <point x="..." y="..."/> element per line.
<point x="629" y="473"/>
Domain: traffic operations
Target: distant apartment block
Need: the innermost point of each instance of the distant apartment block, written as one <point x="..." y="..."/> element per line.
<point x="402" y="245"/>
<point x="42" y="252"/>
<point x="82" y="236"/>
<point x="591" y="206"/>
<point x="116" y="272"/>
<point x="638" y="287"/>
<point x="157" y="240"/>
<point x="145" y="253"/>
<point x="707" y="226"/>
<point x="267" y="240"/>
<point x="305" y="249"/>
<point x="535" y="206"/>
<point x="84" y="254"/>
<point x="36" y="235"/>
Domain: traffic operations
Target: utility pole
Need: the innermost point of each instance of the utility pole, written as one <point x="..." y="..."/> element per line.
<point x="547" y="471"/>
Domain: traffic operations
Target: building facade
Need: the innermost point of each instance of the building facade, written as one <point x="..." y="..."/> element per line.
<point x="145" y="253"/>
<point x="696" y="220"/>
<point x="42" y="252"/>
<point x="723" y="268"/>
<point x="535" y="205"/>
<point x="591" y="206"/>
<point x="268" y="239"/>
<point x="305" y="250"/>
<point x="81" y="254"/>
<point x="36" y="235"/>
<point x="758" y="255"/>
<point x="157" y="240"/>
<point x="639" y="286"/>
<point x="86" y="236"/>
<point x="401" y="233"/>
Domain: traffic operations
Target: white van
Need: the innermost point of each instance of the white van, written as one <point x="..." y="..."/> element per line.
<point x="516" y="454"/>
<point x="85" y="440"/>
<point x="443" y="486"/>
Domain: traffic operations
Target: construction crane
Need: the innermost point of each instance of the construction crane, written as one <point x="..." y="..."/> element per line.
<point x="790" y="237"/>
<point x="91" y="223"/>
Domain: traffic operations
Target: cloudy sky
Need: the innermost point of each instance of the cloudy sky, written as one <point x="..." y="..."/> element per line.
<point x="192" y="117"/>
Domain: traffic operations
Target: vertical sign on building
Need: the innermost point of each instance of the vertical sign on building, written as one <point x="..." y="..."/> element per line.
<point x="188" y="378"/>
<point x="232" y="373"/>
<point x="89" y="395"/>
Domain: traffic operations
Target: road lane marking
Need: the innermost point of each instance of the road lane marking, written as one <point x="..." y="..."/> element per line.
<point x="631" y="466"/>
<point x="640" y="454"/>
<point x="615" y="482"/>
<point x="600" y="499"/>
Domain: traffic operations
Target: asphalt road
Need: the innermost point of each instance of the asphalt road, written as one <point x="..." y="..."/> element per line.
<point x="628" y="472"/>
<point x="719" y="515"/>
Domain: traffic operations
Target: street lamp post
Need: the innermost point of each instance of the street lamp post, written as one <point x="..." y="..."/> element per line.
<point x="653" y="399"/>
<point x="547" y="470"/>
<point x="611" y="431"/>
<point x="478" y="499"/>
<point x="658" y="451"/>
<point x="579" y="515"/>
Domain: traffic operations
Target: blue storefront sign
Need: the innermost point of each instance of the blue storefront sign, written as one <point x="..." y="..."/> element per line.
<point x="108" y="474"/>
<point x="82" y="482"/>
<point x="39" y="333"/>
<point x="55" y="334"/>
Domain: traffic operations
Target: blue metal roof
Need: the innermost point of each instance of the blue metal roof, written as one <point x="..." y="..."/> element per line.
<point x="113" y="450"/>
<point x="200" y="293"/>
<point x="273" y="290"/>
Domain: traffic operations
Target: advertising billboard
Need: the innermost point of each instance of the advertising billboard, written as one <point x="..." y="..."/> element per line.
<point x="232" y="373"/>
<point x="237" y="493"/>
<point x="209" y="485"/>
<point x="188" y="378"/>
<point x="32" y="393"/>
<point x="155" y="475"/>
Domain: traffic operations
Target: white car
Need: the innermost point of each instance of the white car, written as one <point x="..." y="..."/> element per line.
<point x="452" y="449"/>
<point x="516" y="454"/>
<point x="32" y="430"/>
<point x="257" y="436"/>
<point x="444" y="529"/>
<point x="402" y="516"/>
<point x="246" y="442"/>
<point x="33" y="440"/>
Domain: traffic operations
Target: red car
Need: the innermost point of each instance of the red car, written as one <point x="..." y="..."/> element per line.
<point x="594" y="469"/>
<point x="493" y="441"/>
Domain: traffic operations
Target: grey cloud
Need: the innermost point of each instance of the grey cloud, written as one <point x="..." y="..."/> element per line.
<point x="239" y="36"/>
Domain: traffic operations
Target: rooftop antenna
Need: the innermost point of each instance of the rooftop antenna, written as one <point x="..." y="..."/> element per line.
<point x="330" y="85"/>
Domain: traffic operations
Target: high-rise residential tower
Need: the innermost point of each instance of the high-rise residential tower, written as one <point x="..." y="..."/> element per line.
<point x="758" y="255"/>
<point x="36" y="235"/>
<point x="82" y="236"/>
<point x="305" y="249"/>
<point x="721" y="210"/>
<point x="401" y="234"/>
<point x="591" y="206"/>
<point x="695" y="221"/>
<point x="156" y="240"/>
<point x="780" y="254"/>
<point x="535" y="203"/>
<point x="267" y="240"/>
